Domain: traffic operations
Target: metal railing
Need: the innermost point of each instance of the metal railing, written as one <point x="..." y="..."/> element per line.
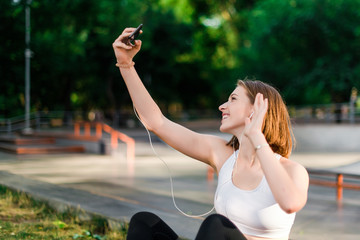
<point x="39" y="120"/>
<point x="115" y="137"/>
<point x="325" y="113"/>
<point x="334" y="179"/>
<point x="321" y="113"/>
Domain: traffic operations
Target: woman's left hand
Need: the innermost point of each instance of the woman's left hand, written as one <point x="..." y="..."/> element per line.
<point x="253" y="125"/>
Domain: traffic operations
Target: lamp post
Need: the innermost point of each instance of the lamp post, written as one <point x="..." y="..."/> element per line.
<point x="353" y="98"/>
<point x="28" y="54"/>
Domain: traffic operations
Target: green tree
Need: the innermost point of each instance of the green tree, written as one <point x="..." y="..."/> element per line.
<point x="192" y="54"/>
<point x="12" y="38"/>
<point x="309" y="49"/>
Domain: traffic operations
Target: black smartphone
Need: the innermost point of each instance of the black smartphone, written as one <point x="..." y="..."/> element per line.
<point x="135" y="34"/>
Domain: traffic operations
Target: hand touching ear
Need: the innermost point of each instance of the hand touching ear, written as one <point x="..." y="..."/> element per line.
<point x="253" y="125"/>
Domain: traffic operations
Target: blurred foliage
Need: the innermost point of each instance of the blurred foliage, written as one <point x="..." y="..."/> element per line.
<point x="192" y="54"/>
<point x="309" y="49"/>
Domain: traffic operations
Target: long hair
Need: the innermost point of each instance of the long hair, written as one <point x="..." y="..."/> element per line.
<point x="276" y="126"/>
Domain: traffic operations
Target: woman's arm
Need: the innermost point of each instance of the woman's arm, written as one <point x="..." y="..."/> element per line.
<point x="288" y="180"/>
<point x="199" y="146"/>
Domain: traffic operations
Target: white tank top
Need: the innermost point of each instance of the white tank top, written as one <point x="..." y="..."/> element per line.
<point x="254" y="212"/>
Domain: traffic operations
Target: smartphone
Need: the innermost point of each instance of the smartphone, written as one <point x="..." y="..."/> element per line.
<point x="134" y="34"/>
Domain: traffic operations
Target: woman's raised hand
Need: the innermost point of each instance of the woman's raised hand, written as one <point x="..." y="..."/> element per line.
<point x="253" y="126"/>
<point x="124" y="50"/>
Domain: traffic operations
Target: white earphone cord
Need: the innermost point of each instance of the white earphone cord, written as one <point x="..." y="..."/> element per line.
<point x="170" y="176"/>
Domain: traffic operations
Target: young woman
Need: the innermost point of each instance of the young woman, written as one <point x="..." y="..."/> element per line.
<point x="259" y="189"/>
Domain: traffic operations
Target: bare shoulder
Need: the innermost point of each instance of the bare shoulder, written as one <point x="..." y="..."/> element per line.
<point x="295" y="169"/>
<point x="220" y="151"/>
<point x="298" y="174"/>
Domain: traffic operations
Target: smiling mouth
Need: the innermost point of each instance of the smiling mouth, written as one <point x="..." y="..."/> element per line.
<point x="225" y="116"/>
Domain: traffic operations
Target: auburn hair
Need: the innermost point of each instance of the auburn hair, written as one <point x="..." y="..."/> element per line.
<point x="277" y="125"/>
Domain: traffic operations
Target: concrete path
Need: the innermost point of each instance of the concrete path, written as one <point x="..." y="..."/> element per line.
<point x="103" y="185"/>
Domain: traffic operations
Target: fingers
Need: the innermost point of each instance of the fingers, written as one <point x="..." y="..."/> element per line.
<point x="254" y="125"/>
<point x="260" y="102"/>
<point x="260" y="108"/>
<point x="138" y="44"/>
<point x="128" y="30"/>
<point x="123" y="40"/>
<point x="120" y="44"/>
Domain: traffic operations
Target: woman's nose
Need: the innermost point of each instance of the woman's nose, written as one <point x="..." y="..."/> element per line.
<point x="222" y="106"/>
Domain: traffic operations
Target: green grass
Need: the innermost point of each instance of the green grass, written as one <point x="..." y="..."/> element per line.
<point x="22" y="217"/>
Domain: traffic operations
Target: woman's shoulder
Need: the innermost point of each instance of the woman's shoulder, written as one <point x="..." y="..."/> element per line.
<point x="220" y="150"/>
<point x="293" y="167"/>
<point x="221" y="153"/>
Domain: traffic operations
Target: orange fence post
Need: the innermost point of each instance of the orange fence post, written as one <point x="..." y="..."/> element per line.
<point x="130" y="145"/>
<point x="98" y="130"/>
<point x="87" y="129"/>
<point x="114" y="139"/>
<point x="340" y="181"/>
<point x="130" y="152"/>
<point x="130" y="149"/>
<point x="76" y="129"/>
<point x="131" y="156"/>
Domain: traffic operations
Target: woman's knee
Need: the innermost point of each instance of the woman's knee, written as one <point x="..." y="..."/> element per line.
<point x="147" y="218"/>
<point x="218" y="227"/>
<point x="217" y="220"/>
<point x="146" y="225"/>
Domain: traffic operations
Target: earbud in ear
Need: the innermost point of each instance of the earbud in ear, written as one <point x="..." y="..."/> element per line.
<point x="251" y="115"/>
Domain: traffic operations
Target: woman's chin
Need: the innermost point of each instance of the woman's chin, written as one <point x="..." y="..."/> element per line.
<point x="223" y="129"/>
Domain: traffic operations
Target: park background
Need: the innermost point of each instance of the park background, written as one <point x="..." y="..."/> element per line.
<point x="193" y="52"/>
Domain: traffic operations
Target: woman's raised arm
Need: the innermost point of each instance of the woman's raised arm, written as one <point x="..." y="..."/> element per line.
<point x="199" y="146"/>
<point x="146" y="107"/>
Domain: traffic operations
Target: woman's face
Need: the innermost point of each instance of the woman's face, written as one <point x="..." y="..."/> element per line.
<point x="235" y="111"/>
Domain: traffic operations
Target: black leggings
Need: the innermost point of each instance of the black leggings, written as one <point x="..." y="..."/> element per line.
<point x="148" y="226"/>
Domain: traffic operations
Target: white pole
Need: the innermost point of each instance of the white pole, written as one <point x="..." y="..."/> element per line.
<point x="27" y="66"/>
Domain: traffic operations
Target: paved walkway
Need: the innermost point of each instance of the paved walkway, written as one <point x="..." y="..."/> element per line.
<point x="103" y="185"/>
